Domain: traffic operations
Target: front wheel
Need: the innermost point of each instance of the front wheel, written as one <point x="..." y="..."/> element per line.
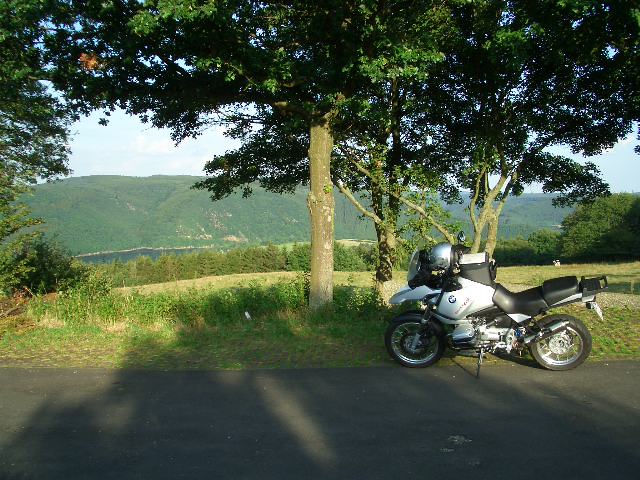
<point x="566" y="349"/>
<point x="412" y="344"/>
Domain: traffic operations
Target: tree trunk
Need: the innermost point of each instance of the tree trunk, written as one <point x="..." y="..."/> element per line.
<point x="386" y="253"/>
<point x="321" y="210"/>
<point x="492" y="235"/>
<point x="478" y="228"/>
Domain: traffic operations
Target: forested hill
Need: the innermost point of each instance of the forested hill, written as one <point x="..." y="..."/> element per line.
<point x="99" y="213"/>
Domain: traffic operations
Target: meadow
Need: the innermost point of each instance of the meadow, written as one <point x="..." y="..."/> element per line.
<point x="261" y="321"/>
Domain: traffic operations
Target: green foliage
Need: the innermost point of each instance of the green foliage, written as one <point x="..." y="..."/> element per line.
<point x="33" y="141"/>
<point x="93" y="302"/>
<point x="14" y="265"/>
<point x="102" y="213"/>
<point x="39" y="266"/>
<point x="607" y="229"/>
<point x="520" y="77"/>
<point x="545" y="244"/>
<point x="541" y="248"/>
<point x="143" y="270"/>
<point x="33" y="121"/>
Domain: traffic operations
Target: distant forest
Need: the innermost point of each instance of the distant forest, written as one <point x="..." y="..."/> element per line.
<point x="112" y="213"/>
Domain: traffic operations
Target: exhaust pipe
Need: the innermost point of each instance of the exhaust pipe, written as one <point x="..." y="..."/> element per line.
<point x="546" y="332"/>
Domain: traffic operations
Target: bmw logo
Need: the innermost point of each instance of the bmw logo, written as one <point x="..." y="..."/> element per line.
<point x="452" y="299"/>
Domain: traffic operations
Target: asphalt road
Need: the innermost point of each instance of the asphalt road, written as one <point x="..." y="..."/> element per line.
<point x="370" y="423"/>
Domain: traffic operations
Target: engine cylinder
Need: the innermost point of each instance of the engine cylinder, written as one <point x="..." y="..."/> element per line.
<point x="463" y="334"/>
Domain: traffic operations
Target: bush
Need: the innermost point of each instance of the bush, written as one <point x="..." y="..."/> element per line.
<point x="42" y="266"/>
<point x="541" y="248"/>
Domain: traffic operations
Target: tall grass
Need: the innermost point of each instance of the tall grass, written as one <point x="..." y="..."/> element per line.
<point x="208" y="327"/>
<point x="94" y="303"/>
<point x="204" y="328"/>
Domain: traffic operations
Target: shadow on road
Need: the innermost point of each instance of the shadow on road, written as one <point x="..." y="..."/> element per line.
<point x="515" y="422"/>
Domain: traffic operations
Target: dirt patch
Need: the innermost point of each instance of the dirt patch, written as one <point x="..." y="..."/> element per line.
<point x="12" y="306"/>
<point x="16" y="324"/>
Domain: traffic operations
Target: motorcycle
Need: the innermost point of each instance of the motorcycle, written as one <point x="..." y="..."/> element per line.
<point x="465" y="310"/>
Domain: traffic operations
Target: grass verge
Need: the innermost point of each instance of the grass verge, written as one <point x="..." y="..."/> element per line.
<point x="207" y="328"/>
<point x="199" y="328"/>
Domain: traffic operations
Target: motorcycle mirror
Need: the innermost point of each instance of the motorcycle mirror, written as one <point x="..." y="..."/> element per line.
<point x="461" y="237"/>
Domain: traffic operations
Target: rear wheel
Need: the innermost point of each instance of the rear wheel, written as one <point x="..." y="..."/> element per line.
<point x="566" y="349"/>
<point x="412" y="344"/>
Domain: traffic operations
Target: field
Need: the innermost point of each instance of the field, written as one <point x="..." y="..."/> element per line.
<point x="261" y="321"/>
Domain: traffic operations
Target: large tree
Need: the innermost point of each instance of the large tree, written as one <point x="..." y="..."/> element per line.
<point x="520" y="77"/>
<point x="187" y="64"/>
<point x="374" y="159"/>
<point x="606" y="229"/>
<point x="33" y="128"/>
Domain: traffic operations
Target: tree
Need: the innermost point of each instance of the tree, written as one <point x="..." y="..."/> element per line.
<point x="373" y="162"/>
<point x="13" y="218"/>
<point x="33" y="131"/>
<point x="33" y="122"/>
<point x="607" y="229"/>
<point x="520" y="77"/>
<point x="186" y="65"/>
<point x="545" y="244"/>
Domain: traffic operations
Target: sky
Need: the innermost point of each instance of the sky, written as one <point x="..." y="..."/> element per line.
<point x="128" y="147"/>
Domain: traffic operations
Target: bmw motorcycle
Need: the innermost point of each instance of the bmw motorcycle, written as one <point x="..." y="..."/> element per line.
<point x="464" y="309"/>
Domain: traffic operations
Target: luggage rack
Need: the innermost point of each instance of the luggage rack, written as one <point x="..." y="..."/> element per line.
<point x="591" y="286"/>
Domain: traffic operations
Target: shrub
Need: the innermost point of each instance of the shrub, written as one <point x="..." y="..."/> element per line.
<point x="42" y="266"/>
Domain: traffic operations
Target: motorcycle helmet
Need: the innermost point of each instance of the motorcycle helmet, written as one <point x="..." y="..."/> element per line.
<point x="440" y="256"/>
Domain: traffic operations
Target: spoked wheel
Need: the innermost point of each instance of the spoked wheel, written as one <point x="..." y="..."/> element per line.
<point x="413" y="345"/>
<point x="566" y="349"/>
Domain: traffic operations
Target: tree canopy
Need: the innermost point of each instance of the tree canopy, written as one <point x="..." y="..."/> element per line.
<point x="520" y="77"/>
<point x="34" y="126"/>
<point x="33" y="121"/>
<point x="185" y="65"/>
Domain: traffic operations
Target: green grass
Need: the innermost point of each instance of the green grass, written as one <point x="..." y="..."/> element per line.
<point x="203" y="328"/>
<point x="622" y="277"/>
<point x="203" y="325"/>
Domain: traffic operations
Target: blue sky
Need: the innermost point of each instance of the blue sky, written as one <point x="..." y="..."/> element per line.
<point x="128" y="147"/>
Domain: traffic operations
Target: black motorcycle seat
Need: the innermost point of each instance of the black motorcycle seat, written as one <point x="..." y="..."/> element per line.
<point x="529" y="302"/>
<point x="558" y="289"/>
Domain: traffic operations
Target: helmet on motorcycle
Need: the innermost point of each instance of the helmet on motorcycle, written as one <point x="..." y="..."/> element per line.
<point x="440" y="256"/>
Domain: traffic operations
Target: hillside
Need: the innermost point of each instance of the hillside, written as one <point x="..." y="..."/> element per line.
<point x="98" y="213"/>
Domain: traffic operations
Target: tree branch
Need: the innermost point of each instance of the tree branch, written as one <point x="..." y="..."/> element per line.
<point x="286" y="107"/>
<point x="347" y="193"/>
<point x="417" y="208"/>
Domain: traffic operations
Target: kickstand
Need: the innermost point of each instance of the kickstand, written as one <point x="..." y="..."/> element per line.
<point x="480" y="358"/>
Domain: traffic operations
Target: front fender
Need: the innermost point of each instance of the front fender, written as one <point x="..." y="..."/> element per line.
<point x="416" y="316"/>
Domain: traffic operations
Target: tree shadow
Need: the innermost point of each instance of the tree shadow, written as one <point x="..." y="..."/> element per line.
<point x="383" y="422"/>
<point x="515" y="422"/>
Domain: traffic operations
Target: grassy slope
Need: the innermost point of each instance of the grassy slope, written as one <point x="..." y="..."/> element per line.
<point x="201" y="324"/>
<point x="99" y="213"/>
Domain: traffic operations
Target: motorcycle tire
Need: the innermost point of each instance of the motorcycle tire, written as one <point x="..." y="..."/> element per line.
<point x="566" y="349"/>
<point x="409" y="351"/>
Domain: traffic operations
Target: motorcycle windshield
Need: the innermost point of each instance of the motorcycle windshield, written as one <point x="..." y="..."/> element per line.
<point x="414" y="265"/>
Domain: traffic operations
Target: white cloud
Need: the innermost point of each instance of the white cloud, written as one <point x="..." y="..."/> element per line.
<point x="152" y="144"/>
<point x="128" y="147"/>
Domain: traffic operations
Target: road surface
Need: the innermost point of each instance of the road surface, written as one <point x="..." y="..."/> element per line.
<point x="515" y="422"/>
